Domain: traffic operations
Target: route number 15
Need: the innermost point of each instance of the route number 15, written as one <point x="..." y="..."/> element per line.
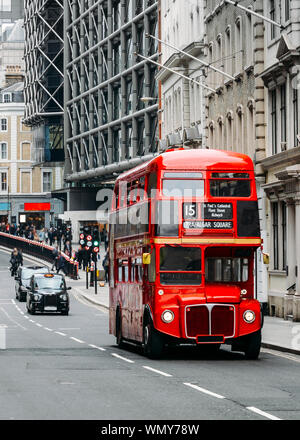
<point x="190" y="210"/>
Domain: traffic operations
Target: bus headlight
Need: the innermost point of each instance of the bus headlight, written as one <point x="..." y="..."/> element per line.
<point x="167" y="316"/>
<point x="249" y="316"/>
<point x="161" y="292"/>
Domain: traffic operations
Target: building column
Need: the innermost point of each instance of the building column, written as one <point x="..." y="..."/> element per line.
<point x="291" y="259"/>
<point x="296" y="308"/>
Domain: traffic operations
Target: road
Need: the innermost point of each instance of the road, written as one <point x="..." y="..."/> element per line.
<point x="69" y="368"/>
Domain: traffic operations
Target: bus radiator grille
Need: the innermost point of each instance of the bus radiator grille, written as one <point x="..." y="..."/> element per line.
<point x="203" y="320"/>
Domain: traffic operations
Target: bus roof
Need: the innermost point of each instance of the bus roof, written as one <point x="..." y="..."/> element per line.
<point x="192" y="160"/>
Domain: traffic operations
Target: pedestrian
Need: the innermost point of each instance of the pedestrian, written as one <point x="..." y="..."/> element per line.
<point x="68" y="248"/>
<point x="79" y="256"/>
<point x="54" y="258"/>
<point x="14" y="261"/>
<point x="105" y="265"/>
<point x="60" y="263"/>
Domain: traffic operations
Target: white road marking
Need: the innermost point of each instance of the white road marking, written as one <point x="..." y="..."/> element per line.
<point x="77" y="340"/>
<point x="30" y="320"/>
<point x="122" y="358"/>
<point x="262" y="413"/>
<point x="22" y="313"/>
<point x="203" y="390"/>
<point x="97" y="348"/>
<point x="61" y="334"/>
<point x="294" y="358"/>
<point x="39" y="325"/>
<point x="13" y="301"/>
<point x="26" y="317"/>
<point x="158" y="371"/>
<point x="12" y="320"/>
<point x="48" y="329"/>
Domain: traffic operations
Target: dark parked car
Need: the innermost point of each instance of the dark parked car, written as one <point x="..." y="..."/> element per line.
<point x="23" y="278"/>
<point x="48" y="293"/>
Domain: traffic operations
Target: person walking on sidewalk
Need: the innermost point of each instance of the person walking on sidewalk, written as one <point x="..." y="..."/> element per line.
<point x="105" y="265"/>
<point x="60" y="263"/>
<point x="54" y="258"/>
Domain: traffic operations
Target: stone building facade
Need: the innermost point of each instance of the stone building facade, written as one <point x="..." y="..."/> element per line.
<point x="282" y="163"/>
<point x="235" y="112"/>
<point x="182" y="101"/>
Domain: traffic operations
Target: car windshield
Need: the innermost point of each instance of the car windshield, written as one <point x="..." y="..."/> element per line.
<point x="54" y="283"/>
<point x="27" y="273"/>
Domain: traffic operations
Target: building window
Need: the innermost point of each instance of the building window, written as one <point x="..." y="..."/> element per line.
<point x="47" y="181"/>
<point x="284" y="234"/>
<point x="238" y="46"/>
<point x="3" y="181"/>
<point x="3" y="151"/>
<point x="3" y="124"/>
<point x="275" y="236"/>
<point x="272" y="17"/>
<point x="274" y="121"/>
<point x="5" y="5"/>
<point x="7" y="97"/>
<point x="287" y="10"/>
<point x="283" y="115"/>
<point x="25" y="151"/>
<point x="228" y="54"/>
<point x="296" y="117"/>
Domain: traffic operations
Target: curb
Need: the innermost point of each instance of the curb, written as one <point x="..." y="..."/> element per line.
<point x="282" y="349"/>
<point x="91" y="300"/>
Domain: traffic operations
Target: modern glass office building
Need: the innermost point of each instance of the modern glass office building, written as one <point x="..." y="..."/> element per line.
<point x="108" y="126"/>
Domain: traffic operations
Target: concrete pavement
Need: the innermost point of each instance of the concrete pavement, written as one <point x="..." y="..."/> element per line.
<point x="68" y="367"/>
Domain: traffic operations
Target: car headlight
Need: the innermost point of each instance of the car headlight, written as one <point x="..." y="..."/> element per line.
<point x="64" y="297"/>
<point x="249" y="316"/>
<point x="167" y="316"/>
<point x="36" y="297"/>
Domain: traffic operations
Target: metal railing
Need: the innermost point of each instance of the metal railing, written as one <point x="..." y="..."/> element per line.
<point x="39" y="250"/>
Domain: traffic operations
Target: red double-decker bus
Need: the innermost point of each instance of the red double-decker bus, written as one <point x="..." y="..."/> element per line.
<point x="183" y="236"/>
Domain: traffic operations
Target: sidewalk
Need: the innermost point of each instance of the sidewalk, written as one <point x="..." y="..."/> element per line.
<point x="277" y="334"/>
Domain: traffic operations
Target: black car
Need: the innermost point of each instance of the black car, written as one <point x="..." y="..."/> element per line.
<point x="23" y="278"/>
<point x="48" y="293"/>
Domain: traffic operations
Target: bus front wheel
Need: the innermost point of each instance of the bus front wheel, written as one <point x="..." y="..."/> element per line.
<point x="153" y="343"/>
<point x="253" y="345"/>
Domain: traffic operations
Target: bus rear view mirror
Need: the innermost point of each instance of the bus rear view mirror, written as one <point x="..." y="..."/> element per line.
<point x="266" y="258"/>
<point x="147" y="259"/>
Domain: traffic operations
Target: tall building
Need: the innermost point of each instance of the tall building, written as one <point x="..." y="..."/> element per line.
<point x="25" y="190"/>
<point x="182" y="101"/>
<point x="108" y="127"/>
<point x="282" y="162"/>
<point x="44" y="85"/>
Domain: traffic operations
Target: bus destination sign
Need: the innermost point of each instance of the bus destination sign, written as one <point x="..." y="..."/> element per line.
<point x="208" y="225"/>
<point x="217" y="211"/>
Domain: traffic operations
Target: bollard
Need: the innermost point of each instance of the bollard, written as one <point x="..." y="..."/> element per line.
<point x="2" y="337"/>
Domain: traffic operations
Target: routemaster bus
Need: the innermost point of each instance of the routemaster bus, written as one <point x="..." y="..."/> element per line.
<point x="183" y="237"/>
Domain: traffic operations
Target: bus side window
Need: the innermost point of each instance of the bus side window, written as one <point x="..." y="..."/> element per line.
<point x="152" y="268"/>
<point x="120" y="271"/>
<point x="139" y="273"/>
<point x="132" y="270"/>
<point x="152" y="185"/>
<point x="126" y="271"/>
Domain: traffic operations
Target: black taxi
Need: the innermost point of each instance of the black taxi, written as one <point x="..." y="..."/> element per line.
<point x="23" y="278"/>
<point x="48" y="293"/>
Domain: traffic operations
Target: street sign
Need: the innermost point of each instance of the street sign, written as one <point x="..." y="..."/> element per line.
<point x="82" y="242"/>
<point x="96" y="250"/>
<point x="89" y="244"/>
<point x="89" y="238"/>
<point x="81" y="236"/>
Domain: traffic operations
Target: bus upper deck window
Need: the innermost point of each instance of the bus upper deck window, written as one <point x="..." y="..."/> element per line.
<point x="183" y="185"/>
<point x="152" y="185"/>
<point x="230" y="188"/>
